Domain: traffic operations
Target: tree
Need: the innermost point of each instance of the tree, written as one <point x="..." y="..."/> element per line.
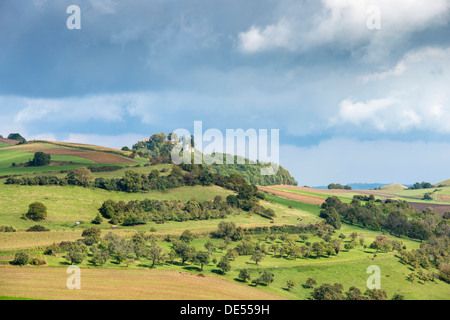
<point x="310" y="282"/>
<point x="332" y="217"/>
<point x="16" y="136"/>
<point x="257" y="256"/>
<point x="318" y="249"/>
<point x="224" y="265"/>
<point x="100" y="255"/>
<point x="226" y="229"/>
<point x="98" y="219"/>
<point x="244" y="275"/>
<point x="123" y="251"/>
<point x="265" y="278"/>
<point x="328" y="292"/>
<point x="187" y="236"/>
<point x="290" y="284"/>
<point x="77" y="253"/>
<point x="40" y="159"/>
<point x="375" y="294"/>
<point x="92" y="234"/>
<point x="20" y="259"/>
<point x="131" y="181"/>
<point x="79" y="177"/>
<point x="210" y="247"/>
<point x="202" y="257"/>
<point x="354" y="293"/>
<point x="156" y="255"/>
<point x="37" y="211"/>
<point x="183" y="251"/>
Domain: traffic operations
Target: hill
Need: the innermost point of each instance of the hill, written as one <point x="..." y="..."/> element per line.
<point x="159" y="146"/>
<point x="393" y="187"/>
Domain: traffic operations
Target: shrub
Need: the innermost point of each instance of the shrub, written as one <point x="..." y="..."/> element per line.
<point x="7" y="229"/>
<point x="20" y="259"/>
<point x="37" y="228"/>
<point x="37" y="262"/>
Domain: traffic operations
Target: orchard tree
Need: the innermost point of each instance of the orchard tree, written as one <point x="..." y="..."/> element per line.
<point x="244" y="275"/>
<point x="183" y="251"/>
<point x="257" y="256"/>
<point x="155" y="253"/>
<point x="202" y="257"/>
<point x="187" y="236"/>
<point x="224" y="265"/>
<point x="77" y="253"/>
<point x="92" y="234"/>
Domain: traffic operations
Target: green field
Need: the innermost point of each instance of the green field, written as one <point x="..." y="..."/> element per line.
<point x="68" y="204"/>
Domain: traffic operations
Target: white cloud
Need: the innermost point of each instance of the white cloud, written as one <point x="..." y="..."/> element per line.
<point x="101" y="107"/>
<point x="413" y="95"/>
<point x="272" y="36"/>
<point x="343" y="23"/>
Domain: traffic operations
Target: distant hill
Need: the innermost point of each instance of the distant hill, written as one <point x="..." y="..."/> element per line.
<point x="359" y="186"/>
<point x="394" y="187"/>
<point x="445" y="183"/>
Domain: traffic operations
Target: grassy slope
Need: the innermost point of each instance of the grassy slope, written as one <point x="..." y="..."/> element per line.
<point x="348" y="268"/>
<point x="69" y="204"/>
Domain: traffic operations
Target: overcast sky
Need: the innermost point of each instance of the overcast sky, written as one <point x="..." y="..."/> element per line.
<point x="352" y="103"/>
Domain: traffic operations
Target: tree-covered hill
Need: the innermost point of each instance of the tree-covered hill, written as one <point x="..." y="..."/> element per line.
<point x="159" y="146"/>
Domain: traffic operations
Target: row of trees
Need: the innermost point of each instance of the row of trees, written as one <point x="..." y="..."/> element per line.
<point x="141" y="212"/>
<point x="339" y="186"/>
<point x="396" y="217"/>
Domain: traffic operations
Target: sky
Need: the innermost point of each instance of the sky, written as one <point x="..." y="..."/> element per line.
<point x="359" y="90"/>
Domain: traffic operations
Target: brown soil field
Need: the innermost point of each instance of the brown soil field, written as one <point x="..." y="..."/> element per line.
<point x="440" y="208"/>
<point x="99" y="157"/>
<point x="9" y="141"/>
<point x="293" y="196"/>
<point x="112" y="284"/>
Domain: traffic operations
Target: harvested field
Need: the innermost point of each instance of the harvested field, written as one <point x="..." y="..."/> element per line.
<point x="99" y="157"/>
<point x="321" y="191"/>
<point x="293" y="196"/>
<point x="107" y="284"/>
<point x="9" y="141"/>
<point x="443" y="197"/>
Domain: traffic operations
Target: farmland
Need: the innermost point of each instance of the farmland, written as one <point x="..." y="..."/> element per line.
<point x="135" y="278"/>
<point x="64" y="157"/>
